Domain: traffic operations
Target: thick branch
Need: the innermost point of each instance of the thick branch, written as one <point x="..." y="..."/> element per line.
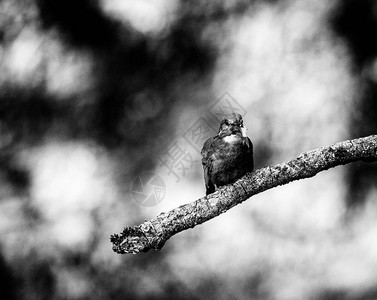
<point x="154" y="233"/>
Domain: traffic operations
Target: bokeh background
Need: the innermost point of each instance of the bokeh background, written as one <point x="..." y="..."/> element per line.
<point x="95" y="93"/>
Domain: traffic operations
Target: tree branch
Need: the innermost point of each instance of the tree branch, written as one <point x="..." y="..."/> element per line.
<point x="153" y="234"/>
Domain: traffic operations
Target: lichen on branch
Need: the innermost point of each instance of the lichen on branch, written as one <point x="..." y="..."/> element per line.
<point x="153" y="234"/>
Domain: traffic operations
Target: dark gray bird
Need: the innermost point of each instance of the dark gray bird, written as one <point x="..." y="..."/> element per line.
<point x="227" y="156"/>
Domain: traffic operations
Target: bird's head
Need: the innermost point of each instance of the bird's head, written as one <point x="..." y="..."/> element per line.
<point x="232" y="124"/>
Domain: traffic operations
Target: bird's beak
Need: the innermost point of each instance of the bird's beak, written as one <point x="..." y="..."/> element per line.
<point x="244" y="131"/>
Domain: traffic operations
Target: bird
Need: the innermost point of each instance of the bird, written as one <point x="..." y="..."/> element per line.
<point x="227" y="156"/>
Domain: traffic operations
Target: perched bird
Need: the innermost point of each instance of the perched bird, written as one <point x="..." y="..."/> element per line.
<point x="227" y="156"/>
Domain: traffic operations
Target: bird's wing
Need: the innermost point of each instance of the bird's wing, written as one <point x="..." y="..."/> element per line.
<point x="249" y="145"/>
<point x="210" y="187"/>
<point x="205" y="151"/>
<point x="207" y="165"/>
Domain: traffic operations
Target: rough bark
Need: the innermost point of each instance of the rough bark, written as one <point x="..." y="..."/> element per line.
<point x="153" y="234"/>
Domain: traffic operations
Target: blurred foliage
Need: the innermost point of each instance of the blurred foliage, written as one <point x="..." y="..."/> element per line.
<point x="86" y="91"/>
<point x="117" y="93"/>
<point x="356" y="23"/>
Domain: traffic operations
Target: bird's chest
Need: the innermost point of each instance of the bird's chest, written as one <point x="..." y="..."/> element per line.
<point x="232" y="139"/>
<point x="228" y="160"/>
<point x="229" y="147"/>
